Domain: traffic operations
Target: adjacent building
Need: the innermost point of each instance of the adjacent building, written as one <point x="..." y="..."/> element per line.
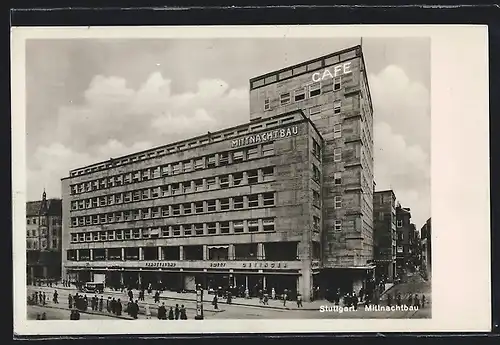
<point x="384" y="219"/>
<point x="284" y="201"/>
<point x="426" y="241"/>
<point x="236" y="208"/>
<point x="405" y="234"/>
<point x="334" y="94"/>
<point x="43" y="240"/>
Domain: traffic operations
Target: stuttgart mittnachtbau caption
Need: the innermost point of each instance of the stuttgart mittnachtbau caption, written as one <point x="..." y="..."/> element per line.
<point x="370" y="307"/>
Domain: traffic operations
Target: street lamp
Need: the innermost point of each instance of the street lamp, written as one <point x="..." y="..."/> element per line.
<point x="199" y="302"/>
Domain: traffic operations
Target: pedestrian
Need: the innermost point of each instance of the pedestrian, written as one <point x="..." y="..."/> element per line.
<point x="214" y="302"/>
<point x="398" y="299"/>
<point x="157" y="296"/>
<point x="229" y="297"/>
<point x="55" y="297"/>
<point x="70" y="301"/>
<point x="183" y="313"/>
<point x="171" y="314"/>
<point x="416" y="302"/>
<point x="44" y="316"/>
<point x="101" y="303"/>
<point x="130" y="295"/>
<point x="423" y="301"/>
<point x="410" y="300"/>
<point x="119" y="307"/>
<point x="38" y="316"/>
<point x="299" y="300"/>
<point x="162" y="312"/>
<point x="147" y="311"/>
<point x="389" y="299"/>
<point x="177" y="312"/>
<point x="108" y="304"/>
<point x="273" y="293"/>
<point x="355" y="301"/>
<point x="44" y="299"/>
<point x="266" y="299"/>
<point x="361" y="294"/>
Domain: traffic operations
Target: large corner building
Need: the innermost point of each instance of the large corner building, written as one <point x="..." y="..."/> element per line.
<point x="284" y="201"/>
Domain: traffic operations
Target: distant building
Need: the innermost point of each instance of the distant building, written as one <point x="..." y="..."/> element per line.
<point x="426" y="235"/>
<point x="405" y="235"/>
<point x="43" y="239"/>
<point x="384" y="234"/>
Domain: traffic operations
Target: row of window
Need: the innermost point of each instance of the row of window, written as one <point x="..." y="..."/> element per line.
<point x="303" y="93"/>
<point x="250" y="177"/>
<point x="43" y="221"/>
<point x="43" y="232"/>
<point x="211" y="161"/>
<point x="41" y="245"/>
<point x="179" y="230"/>
<point x="198" y="207"/>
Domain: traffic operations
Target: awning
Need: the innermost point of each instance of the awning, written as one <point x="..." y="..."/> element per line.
<point x="217" y="247"/>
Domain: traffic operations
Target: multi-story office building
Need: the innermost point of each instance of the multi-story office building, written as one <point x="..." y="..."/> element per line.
<point x="333" y="92"/>
<point x="237" y="208"/>
<point x="43" y="240"/>
<point x="405" y="233"/>
<point x="384" y="219"/>
<point x="425" y="235"/>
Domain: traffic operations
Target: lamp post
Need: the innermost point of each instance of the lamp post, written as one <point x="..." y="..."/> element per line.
<point x="199" y="302"/>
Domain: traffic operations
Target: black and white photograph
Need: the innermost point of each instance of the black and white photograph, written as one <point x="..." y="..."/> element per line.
<point x="210" y="177"/>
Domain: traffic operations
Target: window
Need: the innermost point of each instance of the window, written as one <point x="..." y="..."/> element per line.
<point x="145" y="194"/>
<point x="399" y="223"/>
<point x="338" y="202"/>
<point x="136" y="195"/>
<point x="285" y="98"/>
<point x="74" y="238"/>
<point x="315" y="110"/>
<point x="316" y="149"/>
<point x="176" y="229"/>
<point x="186" y="186"/>
<point x="238" y="202"/>
<point x="210" y="161"/>
<point x="253" y="200"/>
<point x="268" y="149"/>
<point x="237" y="156"/>
<point x="314" y="90"/>
<point x="253" y="177"/>
<point x="224" y="227"/>
<point x="199" y="207"/>
<point x="238" y="226"/>
<point x="165" y="231"/>
<point x="224" y="204"/>
<point x="316" y="174"/>
<point x="211" y="183"/>
<point x="198" y="164"/>
<point x="187" y="165"/>
<point x="337" y="84"/>
<point x="253" y="226"/>
<point x="176" y="210"/>
<point x="336" y="107"/>
<point x="176" y="168"/>
<point x="268" y="224"/>
<point x="381" y="215"/>
<point x="316" y="224"/>
<point x="400" y="249"/>
<point x="299" y="95"/>
<point x="338" y="225"/>
<point x="198" y="229"/>
<point x="337" y="178"/>
<point x="267" y="104"/>
<point x="175" y="188"/>
<point x="337" y="155"/>
<point x="211" y="228"/>
<point x="223" y="158"/>
<point x="188" y="230"/>
<point x="253" y="152"/>
<point x="316" y="199"/>
<point x="237" y="179"/>
<point x="187" y="208"/>
<point x="198" y="185"/>
<point x="211" y="206"/>
<point x="268" y="174"/>
<point x="224" y="181"/>
<point x="337" y="131"/>
<point x="165" y="170"/>
<point x="268" y="199"/>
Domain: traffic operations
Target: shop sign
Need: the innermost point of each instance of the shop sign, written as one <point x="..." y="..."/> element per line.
<point x="161" y="264"/>
<point x="217" y="265"/>
<point x="315" y="264"/>
<point x="266" y="136"/>
<point x="270" y="265"/>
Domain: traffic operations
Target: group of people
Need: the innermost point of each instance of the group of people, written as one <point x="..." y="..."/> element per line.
<point x="411" y="300"/>
<point x="39" y="297"/>
<point x="173" y="314"/>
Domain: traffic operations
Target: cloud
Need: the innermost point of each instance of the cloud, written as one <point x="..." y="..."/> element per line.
<point x="114" y="119"/>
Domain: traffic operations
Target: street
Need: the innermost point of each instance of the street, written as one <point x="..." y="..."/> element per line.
<point x="413" y="285"/>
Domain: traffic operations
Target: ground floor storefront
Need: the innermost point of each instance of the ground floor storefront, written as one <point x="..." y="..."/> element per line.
<point x="38" y="273"/>
<point x="333" y="281"/>
<point x="241" y="283"/>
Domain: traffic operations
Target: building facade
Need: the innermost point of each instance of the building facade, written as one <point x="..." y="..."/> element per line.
<point x="384" y="219"/>
<point x="43" y="240"/>
<point x="426" y="235"/>
<point x="234" y="209"/>
<point x="405" y="235"/>
<point x="334" y="94"/>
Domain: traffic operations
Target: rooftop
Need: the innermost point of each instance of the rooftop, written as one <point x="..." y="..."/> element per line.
<point x="54" y="207"/>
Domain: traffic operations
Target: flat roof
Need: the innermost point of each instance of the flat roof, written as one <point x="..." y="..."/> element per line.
<point x="181" y="145"/>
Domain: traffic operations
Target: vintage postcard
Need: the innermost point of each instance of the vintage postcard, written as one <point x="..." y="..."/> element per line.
<point x="303" y="179"/>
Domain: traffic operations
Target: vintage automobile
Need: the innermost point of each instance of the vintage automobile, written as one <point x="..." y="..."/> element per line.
<point x="96" y="287"/>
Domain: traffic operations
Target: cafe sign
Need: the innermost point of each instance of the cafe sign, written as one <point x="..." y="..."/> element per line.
<point x="160" y="264"/>
<point x="266" y="136"/>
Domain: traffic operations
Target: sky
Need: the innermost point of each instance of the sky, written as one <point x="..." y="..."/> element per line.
<point x="92" y="99"/>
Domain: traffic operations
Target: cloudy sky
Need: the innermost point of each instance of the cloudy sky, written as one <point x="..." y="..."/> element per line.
<point x="89" y="100"/>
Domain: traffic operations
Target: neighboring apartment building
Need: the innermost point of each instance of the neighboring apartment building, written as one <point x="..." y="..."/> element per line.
<point x="426" y="241"/>
<point x="333" y="92"/>
<point x="405" y="233"/>
<point x="237" y="208"/>
<point x="384" y="223"/>
<point x="43" y="240"/>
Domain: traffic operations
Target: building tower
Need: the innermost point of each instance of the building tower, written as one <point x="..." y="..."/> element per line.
<point x="333" y="92"/>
